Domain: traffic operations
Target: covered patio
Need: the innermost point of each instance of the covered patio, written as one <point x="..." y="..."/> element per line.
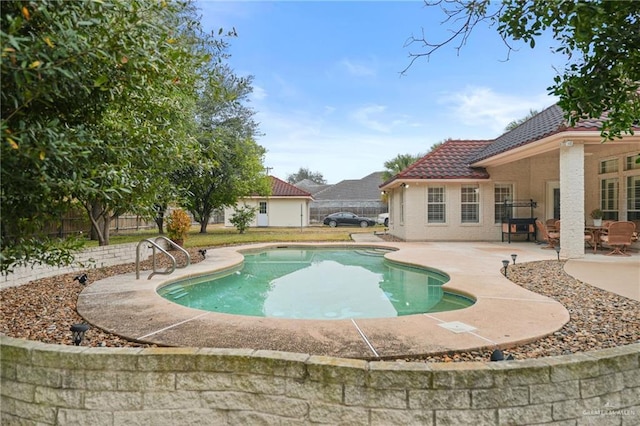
<point x="471" y="190"/>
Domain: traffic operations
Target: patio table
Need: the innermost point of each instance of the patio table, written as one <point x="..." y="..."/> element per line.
<point x="595" y="232"/>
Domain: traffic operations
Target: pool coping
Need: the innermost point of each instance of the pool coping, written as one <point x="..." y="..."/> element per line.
<point x="504" y="314"/>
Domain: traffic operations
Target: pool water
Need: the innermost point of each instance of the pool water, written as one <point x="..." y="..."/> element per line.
<point x="318" y="283"/>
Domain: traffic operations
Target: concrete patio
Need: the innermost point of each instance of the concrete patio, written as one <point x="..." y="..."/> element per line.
<point x="132" y="308"/>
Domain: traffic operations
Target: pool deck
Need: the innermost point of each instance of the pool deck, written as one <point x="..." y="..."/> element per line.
<point x="504" y="313"/>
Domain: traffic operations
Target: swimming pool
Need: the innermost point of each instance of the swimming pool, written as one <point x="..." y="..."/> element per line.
<point x="318" y="283"/>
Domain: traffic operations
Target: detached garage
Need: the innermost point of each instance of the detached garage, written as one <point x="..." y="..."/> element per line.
<point x="287" y="206"/>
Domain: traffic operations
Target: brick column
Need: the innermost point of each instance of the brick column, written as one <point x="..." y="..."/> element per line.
<point x="572" y="199"/>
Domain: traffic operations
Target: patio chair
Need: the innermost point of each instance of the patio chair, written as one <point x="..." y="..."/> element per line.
<point x="552" y="238"/>
<point x="619" y="237"/>
<point x="590" y="240"/>
<point x="605" y="226"/>
<point x="551" y="225"/>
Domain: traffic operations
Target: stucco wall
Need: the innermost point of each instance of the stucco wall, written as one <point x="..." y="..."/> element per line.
<point x="287" y="213"/>
<point x="531" y="178"/>
<point x="66" y="385"/>
<point x="280" y="211"/>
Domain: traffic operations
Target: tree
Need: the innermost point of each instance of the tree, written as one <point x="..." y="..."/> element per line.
<point x="304" y="173"/>
<point x="398" y="164"/>
<point x="515" y="123"/>
<point x="235" y="172"/>
<point x="229" y="162"/>
<point x="600" y="39"/>
<point x="438" y="144"/>
<point x="97" y="104"/>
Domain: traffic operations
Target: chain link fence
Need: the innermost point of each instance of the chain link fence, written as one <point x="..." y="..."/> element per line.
<point x="317" y="214"/>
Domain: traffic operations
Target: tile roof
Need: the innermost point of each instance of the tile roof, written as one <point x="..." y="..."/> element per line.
<point x="543" y="124"/>
<point x="546" y="123"/>
<point x="448" y="161"/>
<point x="363" y="189"/>
<point x="280" y="188"/>
<point x="452" y="159"/>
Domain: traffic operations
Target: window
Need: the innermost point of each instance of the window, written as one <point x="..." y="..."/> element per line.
<point x="619" y="187"/>
<point x="609" y="166"/>
<point x="501" y="193"/>
<point x="609" y="198"/>
<point x="470" y="205"/>
<point x="633" y="198"/>
<point x="632" y="163"/>
<point x="436" y="205"/>
<point x="263" y="207"/>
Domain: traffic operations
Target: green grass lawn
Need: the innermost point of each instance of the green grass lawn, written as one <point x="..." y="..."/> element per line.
<point x="218" y="235"/>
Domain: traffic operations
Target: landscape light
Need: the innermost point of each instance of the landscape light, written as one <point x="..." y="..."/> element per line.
<point x="82" y="279"/>
<point x="498" y="355"/>
<point x="505" y="264"/>
<point x="78" y="333"/>
<point x="513" y="256"/>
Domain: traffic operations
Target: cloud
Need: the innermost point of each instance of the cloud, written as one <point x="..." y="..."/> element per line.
<point x="289" y="127"/>
<point x="223" y="14"/>
<point x="481" y="106"/>
<point x="328" y="110"/>
<point x="258" y="93"/>
<point x="328" y="144"/>
<point x="285" y="87"/>
<point x="357" y="69"/>
<point x="369" y="117"/>
<point x="375" y="117"/>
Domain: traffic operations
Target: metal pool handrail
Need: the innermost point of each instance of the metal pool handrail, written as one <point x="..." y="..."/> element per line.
<point x="154" y="245"/>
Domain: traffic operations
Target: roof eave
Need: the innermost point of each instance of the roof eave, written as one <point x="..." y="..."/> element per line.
<point x="272" y="197"/>
<point x="399" y="182"/>
<point x="541" y="146"/>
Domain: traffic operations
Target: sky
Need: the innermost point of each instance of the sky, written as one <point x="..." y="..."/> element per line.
<point x="329" y="94"/>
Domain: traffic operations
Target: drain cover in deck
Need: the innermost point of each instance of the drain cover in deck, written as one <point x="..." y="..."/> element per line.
<point x="457" y="327"/>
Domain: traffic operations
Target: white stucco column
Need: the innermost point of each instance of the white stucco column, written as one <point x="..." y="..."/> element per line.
<point x="571" y="200"/>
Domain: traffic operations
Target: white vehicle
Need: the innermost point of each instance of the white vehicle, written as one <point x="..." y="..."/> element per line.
<point x="383" y="219"/>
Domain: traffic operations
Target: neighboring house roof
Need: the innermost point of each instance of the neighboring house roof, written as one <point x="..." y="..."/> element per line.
<point x="366" y="188"/>
<point x="311" y="186"/>
<point x="280" y="188"/>
<point x="448" y="161"/>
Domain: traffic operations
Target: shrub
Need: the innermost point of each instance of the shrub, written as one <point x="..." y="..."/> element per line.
<point x="242" y="217"/>
<point x="596" y="214"/>
<point x="178" y="224"/>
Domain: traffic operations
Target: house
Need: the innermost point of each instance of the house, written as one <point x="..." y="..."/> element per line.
<point x="286" y="206"/>
<point x="359" y="196"/>
<point x="311" y="186"/>
<point x="458" y="191"/>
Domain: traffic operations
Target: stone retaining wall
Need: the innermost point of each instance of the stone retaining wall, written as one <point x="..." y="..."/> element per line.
<point x="54" y="384"/>
<point x="95" y="257"/>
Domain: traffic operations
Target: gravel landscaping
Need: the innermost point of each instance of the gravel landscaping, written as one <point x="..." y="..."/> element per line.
<point x="45" y="309"/>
